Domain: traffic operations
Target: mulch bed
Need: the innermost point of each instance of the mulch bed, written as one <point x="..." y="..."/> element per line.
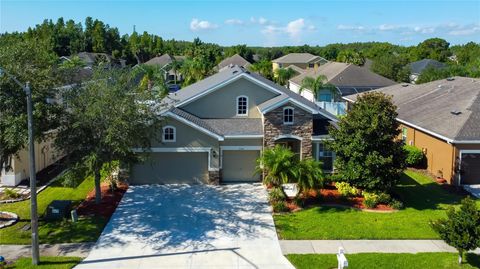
<point x="331" y="197"/>
<point x="110" y="201"/>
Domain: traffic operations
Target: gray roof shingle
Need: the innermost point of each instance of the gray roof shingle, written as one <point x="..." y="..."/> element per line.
<point x="419" y="66"/>
<point x="233" y="60"/>
<point x="298" y="58"/>
<point x="430" y="106"/>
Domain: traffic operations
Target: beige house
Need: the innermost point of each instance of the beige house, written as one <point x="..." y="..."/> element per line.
<point x="216" y="128"/>
<point x="304" y="61"/>
<point x="442" y="118"/>
<point x="45" y="155"/>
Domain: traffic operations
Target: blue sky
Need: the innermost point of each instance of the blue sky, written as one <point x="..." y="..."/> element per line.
<point x="265" y="23"/>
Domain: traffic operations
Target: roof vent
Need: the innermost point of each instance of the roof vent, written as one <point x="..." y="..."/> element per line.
<point x="405" y="85"/>
<point x="450" y="79"/>
<point x="235" y="71"/>
<point x="455" y="112"/>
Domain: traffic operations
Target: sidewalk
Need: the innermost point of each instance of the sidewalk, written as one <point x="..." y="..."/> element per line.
<point x="13" y="252"/>
<point x="364" y="246"/>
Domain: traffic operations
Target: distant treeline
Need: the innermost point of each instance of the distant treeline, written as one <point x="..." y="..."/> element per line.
<point x="70" y="37"/>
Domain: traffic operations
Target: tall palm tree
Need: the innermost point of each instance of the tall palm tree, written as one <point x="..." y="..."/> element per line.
<point x="152" y="78"/>
<point x="175" y="66"/>
<point x="283" y="75"/>
<point x="316" y="85"/>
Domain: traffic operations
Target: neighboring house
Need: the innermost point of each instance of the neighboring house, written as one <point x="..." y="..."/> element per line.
<point x="164" y="62"/>
<point x="45" y="155"/>
<point x="442" y="118"/>
<point x="346" y="78"/>
<point x="216" y="128"/>
<point x="233" y="60"/>
<point x="304" y="61"/>
<point x="92" y="59"/>
<point x="417" y="68"/>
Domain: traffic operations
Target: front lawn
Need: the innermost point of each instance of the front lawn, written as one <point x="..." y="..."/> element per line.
<point x="424" y="200"/>
<point x="386" y="260"/>
<point x="87" y="229"/>
<point x="46" y="262"/>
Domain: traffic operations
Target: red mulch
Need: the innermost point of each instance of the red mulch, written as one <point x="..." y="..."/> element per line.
<point x="330" y="196"/>
<point x="109" y="202"/>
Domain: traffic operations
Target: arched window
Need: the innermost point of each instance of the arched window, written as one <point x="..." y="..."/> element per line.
<point x="288" y="115"/>
<point x="242" y="105"/>
<point x="169" y="134"/>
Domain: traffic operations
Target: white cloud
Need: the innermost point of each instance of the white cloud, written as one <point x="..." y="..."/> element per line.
<point x="260" y="20"/>
<point x="424" y="29"/>
<point x="457" y="30"/>
<point x="388" y="27"/>
<point x="234" y="22"/>
<point x="198" y="25"/>
<point x="350" y="27"/>
<point x="295" y="28"/>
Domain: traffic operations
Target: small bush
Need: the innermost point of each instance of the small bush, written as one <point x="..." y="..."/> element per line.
<point x="12" y="194"/>
<point x="74" y="176"/>
<point x="395" y="204"/>
<point x="279" y="206"/>
<point x="276" y="194"/>
<point x="346" y="189"/>
<point x="370" y="199"/>
<point x="415" y="156"/>
<point x="298" y="201"/>
<point x="384" y="198"/>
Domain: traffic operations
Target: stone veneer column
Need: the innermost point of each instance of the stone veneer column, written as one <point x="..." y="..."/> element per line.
<point x="214" y="177"/>
<point x="302" y="126"/>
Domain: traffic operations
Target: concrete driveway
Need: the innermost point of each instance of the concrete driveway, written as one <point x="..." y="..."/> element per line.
<point x="181" y="226"/>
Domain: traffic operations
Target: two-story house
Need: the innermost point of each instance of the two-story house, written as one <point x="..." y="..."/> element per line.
<point x="304" y="61"/>
<point x="215" y="130"/>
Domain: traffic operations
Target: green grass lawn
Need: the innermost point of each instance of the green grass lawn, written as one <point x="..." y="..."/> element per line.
<point x="424" y="200"/>
<point x="386" y="260"/>
<point x="46" y="262"/>
<point x="85" y="230"/>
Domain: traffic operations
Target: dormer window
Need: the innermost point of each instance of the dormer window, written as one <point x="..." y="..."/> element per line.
<point x="242" y="105"/>
<point x="169" y="134"/>
<point x="288" y="115"/>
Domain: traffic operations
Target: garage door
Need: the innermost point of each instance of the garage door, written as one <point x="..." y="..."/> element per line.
<point x="172" y="167"/>
<point x="239" y="166"/>
<point x="470" y="168"/>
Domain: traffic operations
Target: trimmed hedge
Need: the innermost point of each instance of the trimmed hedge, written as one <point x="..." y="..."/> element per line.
<point x="415" y="156"/>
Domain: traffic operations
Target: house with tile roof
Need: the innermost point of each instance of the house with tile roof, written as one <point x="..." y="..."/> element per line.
<point x="215" y="130"/>
<point x="345" y="78"/>
<point x="442" y="118"/>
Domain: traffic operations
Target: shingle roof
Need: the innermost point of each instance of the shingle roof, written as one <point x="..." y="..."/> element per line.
<point x="298" y="58"/>
<point x="430" y="106"/>
<point x="346" y="77"/>
<point x="419" y="66"/>
<point x="233" y="60"/>
<point x="224" y="127"/>
<point x="160" y="60"/>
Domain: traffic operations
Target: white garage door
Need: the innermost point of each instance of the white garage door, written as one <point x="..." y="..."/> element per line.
<point x="239" y="166"/>
<point x="171" y="167"/>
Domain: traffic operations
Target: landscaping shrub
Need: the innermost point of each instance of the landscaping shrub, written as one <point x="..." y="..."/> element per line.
<point x="370" y="199"/>
<point x="345" y="189"/>
<point x="414" y="156"/>
<point x="12" y="194"/>
<point x="298" y="201"/>
<point x="279" y="206"/>
<point x="276" y="194"/>
<point x="395" y="204"/>
<point x="74" y="176"/>
<point x="384" y="198"/>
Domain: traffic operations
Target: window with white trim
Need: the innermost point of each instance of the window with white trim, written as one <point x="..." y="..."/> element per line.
<point x="169" y="134"/>
<point x="288" y="115"/>
<point x="242" y="105"/>
<point x="404" y="135"/>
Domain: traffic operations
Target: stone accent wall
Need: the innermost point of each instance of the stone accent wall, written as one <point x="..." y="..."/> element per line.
<point x="302" y="126"/>
<point x="214" y="177"/>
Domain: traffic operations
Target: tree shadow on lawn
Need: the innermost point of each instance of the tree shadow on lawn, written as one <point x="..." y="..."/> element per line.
<point x="172" y="216"/>
<point x="473" y="259"/>
<point x="424" y="196"/>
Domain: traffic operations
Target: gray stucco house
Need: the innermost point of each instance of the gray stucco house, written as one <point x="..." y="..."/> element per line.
<point x="216" y="128"/>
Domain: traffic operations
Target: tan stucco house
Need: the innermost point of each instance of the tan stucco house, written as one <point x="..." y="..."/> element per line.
<point x="45" y="155"/>
<point x="442" y="118"/>
<point x="215" y="130"/>
<point x="304" y="61"/>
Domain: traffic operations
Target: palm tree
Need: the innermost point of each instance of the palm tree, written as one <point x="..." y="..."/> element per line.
<point x="152" y="78"/>
<point x="278" y="163"/>
<point x="282" y="75"/>
<point x="309" y="174"/>
<point x="263" y="67"/>
<point x="316" y="85"/>
<point x="175" y="66"/>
